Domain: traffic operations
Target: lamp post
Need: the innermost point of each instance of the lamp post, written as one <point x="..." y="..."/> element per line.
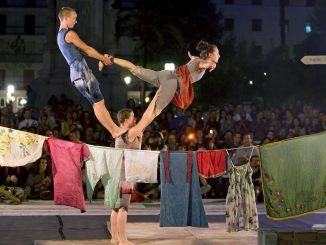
<point x="10" y="91"/>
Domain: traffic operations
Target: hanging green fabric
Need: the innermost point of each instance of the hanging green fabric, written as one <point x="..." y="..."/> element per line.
<point x="294" y="176"/>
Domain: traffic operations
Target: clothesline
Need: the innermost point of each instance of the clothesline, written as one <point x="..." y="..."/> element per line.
<point x="224" y="149"/>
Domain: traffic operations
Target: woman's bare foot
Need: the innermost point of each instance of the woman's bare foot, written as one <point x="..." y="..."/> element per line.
<point x="114" y="241"/>
<point x="126" y="242"/>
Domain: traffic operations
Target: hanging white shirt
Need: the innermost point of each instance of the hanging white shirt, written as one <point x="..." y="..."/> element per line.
<point x="17" y="148"/>
<point x="141" y="166"/>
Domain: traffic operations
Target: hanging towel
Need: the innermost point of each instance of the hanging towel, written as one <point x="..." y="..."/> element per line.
<point x="104" y="163"/>
<point x="141" y="166"/>
<point x="17" y="148"/>
<point x="66" y="159"/>
<point x="181" y="202"/>
<point x="211" y="163"/>
<point x="294" y="176"/>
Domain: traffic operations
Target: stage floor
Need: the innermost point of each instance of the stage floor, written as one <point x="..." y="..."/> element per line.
<point x="41" y="222"/>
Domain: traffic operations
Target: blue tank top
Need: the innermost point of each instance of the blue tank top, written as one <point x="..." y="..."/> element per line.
<point x="68" y="50"/>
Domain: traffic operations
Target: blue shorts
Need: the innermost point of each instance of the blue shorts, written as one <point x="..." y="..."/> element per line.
<point x="85" y="82"/>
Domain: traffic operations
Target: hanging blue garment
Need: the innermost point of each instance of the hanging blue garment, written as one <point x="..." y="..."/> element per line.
<point x="181" y="202"/>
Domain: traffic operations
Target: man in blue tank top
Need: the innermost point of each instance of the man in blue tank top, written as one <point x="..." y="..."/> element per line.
<point x="81" y="76"/>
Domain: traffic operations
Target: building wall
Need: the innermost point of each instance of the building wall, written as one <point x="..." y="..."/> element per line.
<point x="243" y="12"/>
<point x="21" y="49"/>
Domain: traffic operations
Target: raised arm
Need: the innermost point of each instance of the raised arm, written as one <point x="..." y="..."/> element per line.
<point x="73" y="38"/>
<point x="145" y="120"/>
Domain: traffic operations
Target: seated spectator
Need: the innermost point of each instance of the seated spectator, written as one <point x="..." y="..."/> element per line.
<point x="27" y="120"/>
<point x="39" y="181"/>
<point x="12" y="183"/>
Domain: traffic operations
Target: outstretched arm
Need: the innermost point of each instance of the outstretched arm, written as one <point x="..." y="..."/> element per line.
<point x="72" y="37"/>
<point x="204" y="65"/>
<point x="145" y="120"/>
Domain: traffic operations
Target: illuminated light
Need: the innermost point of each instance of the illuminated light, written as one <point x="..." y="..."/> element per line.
<point x="23" y="101"/>
<point x="169" y="66"/>
<point x="191" y="136"/>
<point x="11" y="89"/>
<point x="127" y="80"/>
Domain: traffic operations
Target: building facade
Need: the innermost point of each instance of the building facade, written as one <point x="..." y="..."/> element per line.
<point x="31" y="61"/>
<point x="258" y="22"/>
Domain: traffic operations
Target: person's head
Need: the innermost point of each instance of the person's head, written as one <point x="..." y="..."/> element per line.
<point x="126" y="118"/>
<point x="172" y="139"/>
<point x="236" y="138"/>
<point x="74" y="135"/>
<point x="68" y="16"/>
<point x="131" y="103"/>
<point x="48" y="133"/>
<point x="43" y="164"/>
<point x="28" y="114"/>
<point x="228" y="136"/>
<point x="270" y="134"/>
<point x="208" y="51"/>
<point x="247" y="140"/>
<point x="254" y="161"/>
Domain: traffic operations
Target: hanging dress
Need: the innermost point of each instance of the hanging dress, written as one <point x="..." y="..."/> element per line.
<point x="241" y="198"/>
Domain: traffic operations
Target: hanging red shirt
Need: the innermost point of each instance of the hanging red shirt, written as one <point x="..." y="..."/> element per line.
<point x="67" y="160"/>
<point x="211" y="163"/>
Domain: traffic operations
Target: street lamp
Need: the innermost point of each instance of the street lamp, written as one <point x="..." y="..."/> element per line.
<point x="251" y="82"/>
<point x="127" y="80"/>
<point x="147" y="99"/>
<point x="169" y="66"/>
<point x="11" y="89"/>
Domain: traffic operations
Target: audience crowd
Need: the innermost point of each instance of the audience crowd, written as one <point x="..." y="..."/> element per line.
<point x="228" y="127"/>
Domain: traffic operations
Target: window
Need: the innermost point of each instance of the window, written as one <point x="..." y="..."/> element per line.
<point x="29" y="24"/>
<point x="256" y="25"/>
<point x="287" y="26"/>
<point x="21" y="102"/>
<point x="228" y="1"/>
<point x="257" y="2"/>
<point x="2" y="78"/>
<point x="30" y="3"/>
<point x="228" y="24"/>
<point x="3" y="102"/>
<point x="310" y="3"/>
<point x="308" y="27"/>
<point x="3" y="24"/>
<point x="28" y="76"/>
